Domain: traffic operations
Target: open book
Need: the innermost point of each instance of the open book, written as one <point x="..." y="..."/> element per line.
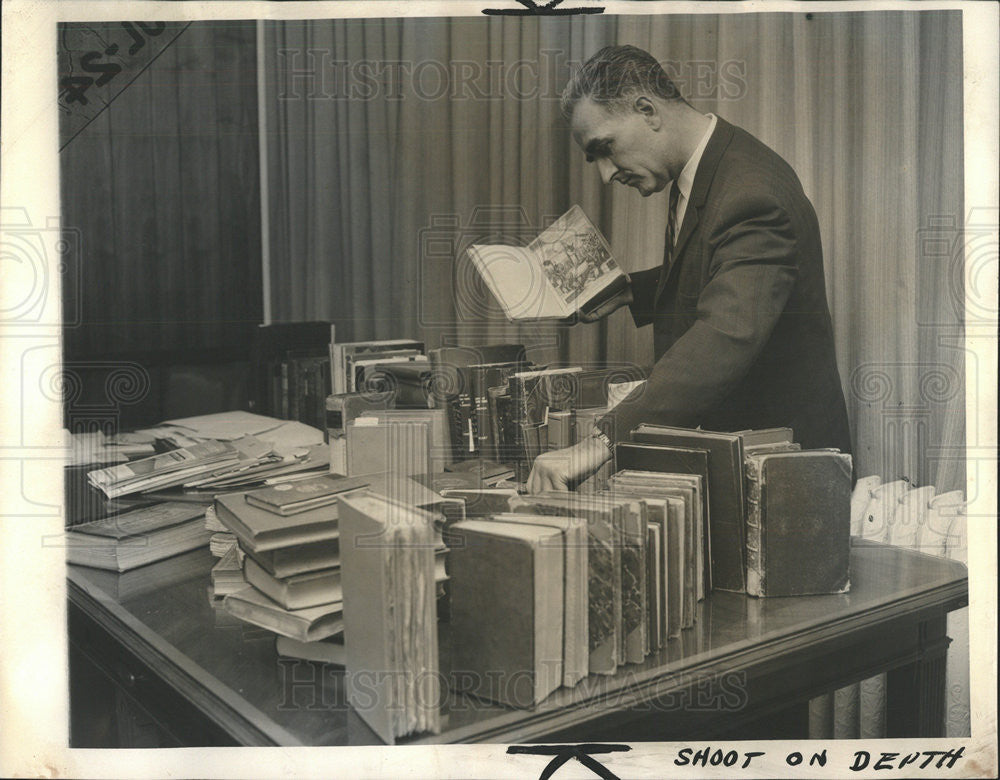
<point x="567" y="269"/>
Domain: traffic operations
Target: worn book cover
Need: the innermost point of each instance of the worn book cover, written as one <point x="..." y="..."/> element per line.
<point x="123" y="542"/>
<point x="289" y="498"/>
<point x="677" y="460"/>
<point x="507" y="584"/>
<point x="799" y="523"/>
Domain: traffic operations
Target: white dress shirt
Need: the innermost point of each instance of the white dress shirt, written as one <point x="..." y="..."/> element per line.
<point x="685" y="181"/>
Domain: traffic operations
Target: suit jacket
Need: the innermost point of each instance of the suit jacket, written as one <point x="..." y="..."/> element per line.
<point x="742" y="331"/>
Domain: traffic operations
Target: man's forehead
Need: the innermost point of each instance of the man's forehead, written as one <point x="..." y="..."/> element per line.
<point x="589" y="120"/>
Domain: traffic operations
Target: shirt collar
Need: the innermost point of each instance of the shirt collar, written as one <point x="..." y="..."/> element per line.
<point x="685" y="181"/>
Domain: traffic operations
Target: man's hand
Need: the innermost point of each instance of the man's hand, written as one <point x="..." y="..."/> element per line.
<point x="558" y="469"/>
<point x="624" y="298"/>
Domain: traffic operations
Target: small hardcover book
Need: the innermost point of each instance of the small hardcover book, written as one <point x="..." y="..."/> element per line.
<point x="306" y="625"/>
<point x="288" y="561"/>
<point x="289" y="498"/>
<point x="259" y="530"/>
<point x="676" y="460"/>
<point x="227" y="574"/>
<point x="123" y="542"/>
<point x="299" y="591"/>
<point x="799" y="523"/>
<point x="507" y="584"/>
<point x="568" y="268"/>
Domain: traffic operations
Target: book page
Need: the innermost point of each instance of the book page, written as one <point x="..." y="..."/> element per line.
<point x="516" y="278"/>
<point x="576" y="258"/>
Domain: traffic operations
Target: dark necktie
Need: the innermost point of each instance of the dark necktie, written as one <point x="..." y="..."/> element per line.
<point x="668" y="252"/>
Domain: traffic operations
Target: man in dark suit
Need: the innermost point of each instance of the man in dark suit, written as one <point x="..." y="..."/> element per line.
<point x="742" y="330"/>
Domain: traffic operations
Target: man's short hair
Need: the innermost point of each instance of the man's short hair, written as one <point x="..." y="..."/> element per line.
<point x="614" y="75"/>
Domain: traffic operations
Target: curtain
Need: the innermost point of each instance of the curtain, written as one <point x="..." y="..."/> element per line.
<point x="378" y="179"/>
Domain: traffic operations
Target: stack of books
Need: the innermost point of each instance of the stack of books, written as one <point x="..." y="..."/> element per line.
<point x="290" y="538"/>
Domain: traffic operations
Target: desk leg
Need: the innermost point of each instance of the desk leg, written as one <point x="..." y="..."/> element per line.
<point x="915" y="693"/>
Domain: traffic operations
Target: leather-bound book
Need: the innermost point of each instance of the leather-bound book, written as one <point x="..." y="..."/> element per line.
<point x="507" y="584"/>
<point x="798" y="523"/>
<point x="726" y="504"/>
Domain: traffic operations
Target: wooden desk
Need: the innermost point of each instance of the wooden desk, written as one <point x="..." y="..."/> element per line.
<point x="209" y="679"/>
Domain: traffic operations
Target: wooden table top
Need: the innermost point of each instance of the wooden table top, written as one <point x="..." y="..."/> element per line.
<point x="164" y="614"/>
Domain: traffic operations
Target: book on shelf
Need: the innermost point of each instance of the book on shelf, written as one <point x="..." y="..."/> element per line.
<point x="227" y="574"/>
<point x="139" y="537"/>
<point x="798" y="523"/>
<point x="576" y="634"/>
<point x="568" y="268"/>
<point x="306" y="625"/>
<point x="298" y="591"/>
<point x="328" y="651"/>
<point x="726" y="501"/>
<point x="507" y="585"/>
<point x="390" y="615"/>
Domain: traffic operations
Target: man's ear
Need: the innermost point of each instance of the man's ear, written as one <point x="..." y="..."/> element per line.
<point x="649" y="110"/>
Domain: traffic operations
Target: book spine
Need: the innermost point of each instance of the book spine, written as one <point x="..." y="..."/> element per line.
<point x="754" y="530"/>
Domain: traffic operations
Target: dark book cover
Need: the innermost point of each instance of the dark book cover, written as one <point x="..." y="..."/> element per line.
<point x="726" y="503"/>
<point x="799" y="523"/>
<point x="289" y="498"/>
<point x="673" y="460"/>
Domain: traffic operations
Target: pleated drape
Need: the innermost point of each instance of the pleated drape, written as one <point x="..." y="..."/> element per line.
<point x="867" y="107"/>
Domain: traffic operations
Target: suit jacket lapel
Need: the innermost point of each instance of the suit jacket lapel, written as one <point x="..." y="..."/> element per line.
<point x="707" y="166"/>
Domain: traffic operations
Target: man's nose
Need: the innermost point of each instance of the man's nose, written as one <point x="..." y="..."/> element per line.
<point x="607" y="169"/>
